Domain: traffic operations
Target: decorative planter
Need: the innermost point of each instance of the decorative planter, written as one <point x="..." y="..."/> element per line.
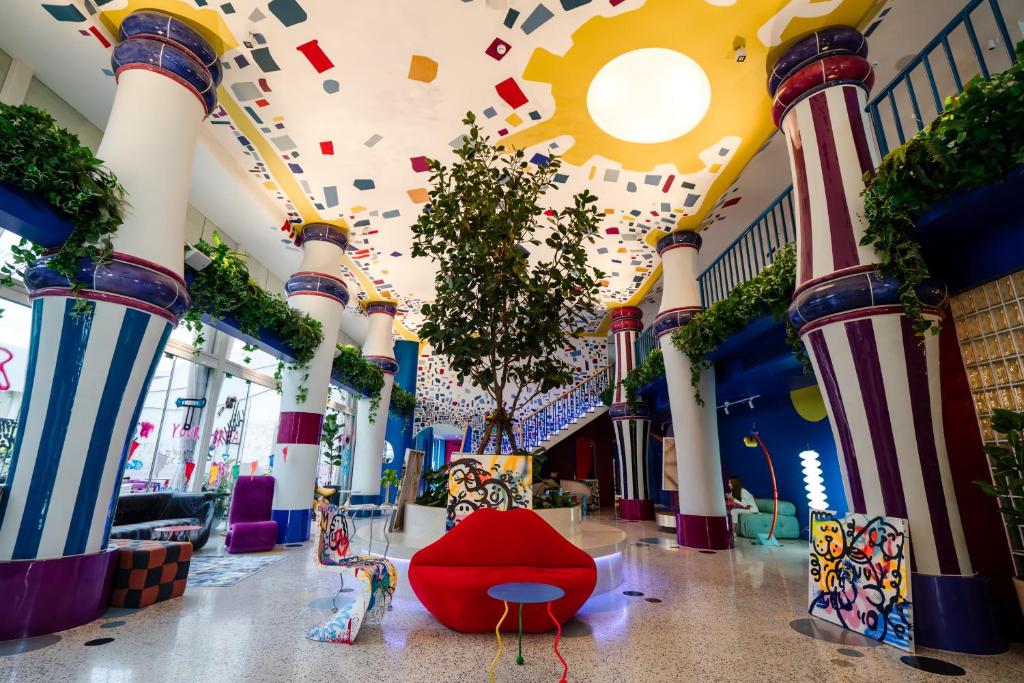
<point x="266" y="340"/>
<point x="30" y="216"/>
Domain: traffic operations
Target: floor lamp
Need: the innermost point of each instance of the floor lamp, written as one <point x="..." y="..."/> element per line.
<point x="753" y="441"/>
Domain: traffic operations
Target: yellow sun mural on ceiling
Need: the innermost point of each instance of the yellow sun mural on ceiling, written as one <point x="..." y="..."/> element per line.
<point x="679" y="59"/>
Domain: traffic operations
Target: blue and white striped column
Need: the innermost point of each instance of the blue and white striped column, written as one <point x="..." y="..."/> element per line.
<point x="632" y="423"/>
<point x="88" y="374"/>
<point x="701" y="522"/>
<point x="317" y="290"/>
<point x="881" y="381"/>
<point x="371" y="426"/>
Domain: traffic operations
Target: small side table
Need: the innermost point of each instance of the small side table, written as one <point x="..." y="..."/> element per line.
<point x="182" y="533"/>
<point x="528" y="592"/>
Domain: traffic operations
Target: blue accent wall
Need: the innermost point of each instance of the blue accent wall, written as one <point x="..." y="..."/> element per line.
<point x="786" y="434"/>
<point x="399" y="430"/>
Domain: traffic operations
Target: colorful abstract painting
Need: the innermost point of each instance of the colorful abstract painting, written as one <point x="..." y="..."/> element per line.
<point x="860" y="575"/>
<point x="501" y="482"/>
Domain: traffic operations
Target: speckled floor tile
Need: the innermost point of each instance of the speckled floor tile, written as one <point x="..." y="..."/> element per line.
<point x="722" y="617"/>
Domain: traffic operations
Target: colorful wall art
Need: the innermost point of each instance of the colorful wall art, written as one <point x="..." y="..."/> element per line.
<point x="488" y="481"/>
<point x="860" y="575"/>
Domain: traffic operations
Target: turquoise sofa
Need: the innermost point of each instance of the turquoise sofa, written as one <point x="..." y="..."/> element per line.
<point x="753" y="523"/>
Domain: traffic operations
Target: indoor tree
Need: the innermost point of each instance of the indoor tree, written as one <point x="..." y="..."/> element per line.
<point x="513" y="284"/>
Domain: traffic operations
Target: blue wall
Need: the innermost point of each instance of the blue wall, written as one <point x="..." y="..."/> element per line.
<point x="785" y="433"/>
<point x="399" y="430"/>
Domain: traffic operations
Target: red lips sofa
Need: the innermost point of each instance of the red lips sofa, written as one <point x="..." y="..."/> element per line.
<point x="451" y="576"/>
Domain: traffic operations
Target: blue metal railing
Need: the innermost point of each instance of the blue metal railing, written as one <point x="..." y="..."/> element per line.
<point x="751" y="252"/>
<point x="918" y="93"/>
<point x="645" y="343"/>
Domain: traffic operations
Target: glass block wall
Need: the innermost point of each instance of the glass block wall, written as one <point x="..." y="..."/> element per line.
<point x="990" y="326"/>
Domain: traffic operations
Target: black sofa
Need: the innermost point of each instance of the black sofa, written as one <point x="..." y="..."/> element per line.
<point x="138" y="514"/>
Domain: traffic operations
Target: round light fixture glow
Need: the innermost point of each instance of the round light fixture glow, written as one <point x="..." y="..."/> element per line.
<point x="649" y="95"/>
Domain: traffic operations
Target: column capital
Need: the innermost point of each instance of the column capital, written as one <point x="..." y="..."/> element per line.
<point x="831" y="56"/>
<point x="627" y="318"/>
<point x="377" y="306"/>
<point x="163" y="44"/>
<point x="386" y="363"/>
<point x="680" y="239"/>
<point x="322" y="232"/>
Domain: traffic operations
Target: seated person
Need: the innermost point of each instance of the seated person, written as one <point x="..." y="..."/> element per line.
<point x="738" y="500"/>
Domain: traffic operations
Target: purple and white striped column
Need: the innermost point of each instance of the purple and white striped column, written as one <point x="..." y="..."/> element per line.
<point x="632" y="423"/>
<point x="88" y="374"/>
<point x="371" y="426"/>
<point x="881" y="381"/>
<point x="702" y="515"/>
<point x="317" y="290"/>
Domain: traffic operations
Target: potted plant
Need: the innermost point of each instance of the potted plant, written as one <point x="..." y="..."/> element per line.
<point x="513" y="284"/>
<point x="330" y="439"/>
<point x="387" y="480"/>
<point x="54" y="193"/>
<point x="1007" y="485"/>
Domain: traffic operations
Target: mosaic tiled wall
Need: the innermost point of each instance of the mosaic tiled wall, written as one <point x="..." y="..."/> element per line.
<point x="440" y="398"/>
<point x="990" y="326"/>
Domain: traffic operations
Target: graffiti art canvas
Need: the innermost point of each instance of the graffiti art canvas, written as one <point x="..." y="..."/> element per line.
<point x="860" y="575"/>
<point x="488" y="481"/>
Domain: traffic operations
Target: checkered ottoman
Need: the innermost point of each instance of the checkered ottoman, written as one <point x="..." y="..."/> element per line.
<point x="149" y="571"/>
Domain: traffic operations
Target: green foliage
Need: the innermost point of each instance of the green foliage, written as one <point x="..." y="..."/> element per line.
<point x="225" y="289"/>
<point x="403" y="403"/>
<point x="976" y="141"/>
<point x="767" y="293"/>
<point x="651" y="369"/>
<point x="357" y="373"/>
<point x="36" y="155"/>
<point x="500" y="316"/>
<point x="330" y="432"/>
<point x="389" y="478"/>
<point x="1007" y="464"/>
<point x="435" y="494"/>
<point x="549" y="500"/>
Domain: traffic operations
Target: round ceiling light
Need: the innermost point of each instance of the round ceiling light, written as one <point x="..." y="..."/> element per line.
<point x="649" y="95"/>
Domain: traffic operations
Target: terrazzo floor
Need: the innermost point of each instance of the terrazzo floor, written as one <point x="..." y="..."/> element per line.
<point x="688" y="616"/>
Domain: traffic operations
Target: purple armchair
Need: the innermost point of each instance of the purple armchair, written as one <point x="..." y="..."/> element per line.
<point x="250" y="528"/>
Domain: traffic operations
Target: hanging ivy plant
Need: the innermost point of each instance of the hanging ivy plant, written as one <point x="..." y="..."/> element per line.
<point x="403" y="403"/>
<point x="38" y="156"/>
<point x="651" y="369"/>
<point x="224" y="289"/>
<point x="768" y="293"/>
<point x="355" y="372"/>
<point x="976" y="141"/>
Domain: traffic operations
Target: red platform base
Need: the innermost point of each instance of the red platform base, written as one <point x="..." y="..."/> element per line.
<point x="703" y="533"/>
<point x="635" y="509"/>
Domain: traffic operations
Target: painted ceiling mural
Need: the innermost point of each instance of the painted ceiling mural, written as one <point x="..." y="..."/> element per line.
<point x="334" y="107"/>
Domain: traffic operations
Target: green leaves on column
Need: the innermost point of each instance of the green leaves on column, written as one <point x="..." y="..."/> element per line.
<point x="768" y="293"/>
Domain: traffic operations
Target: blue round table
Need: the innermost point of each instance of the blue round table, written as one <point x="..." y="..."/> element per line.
<point x="526" y="593"/>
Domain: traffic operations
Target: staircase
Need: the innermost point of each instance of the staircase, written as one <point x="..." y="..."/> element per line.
<point x="564" y="414"/>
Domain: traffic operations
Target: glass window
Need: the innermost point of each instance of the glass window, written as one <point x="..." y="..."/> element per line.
<point x="260" y="434"/>
<point x="252" y="358"/>
<point x="142" y="451"/>
<point x="15" y="330"/>
<point x="229" y="414"/>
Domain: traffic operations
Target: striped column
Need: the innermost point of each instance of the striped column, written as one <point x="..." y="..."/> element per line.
<point x="702" y="515"/>
<point x="88" y="374"/>
<point x="315" y="289"/>
<point x="632" y="423"/>
<point x="881" y="381"/>
<point x="371" y="425"/>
